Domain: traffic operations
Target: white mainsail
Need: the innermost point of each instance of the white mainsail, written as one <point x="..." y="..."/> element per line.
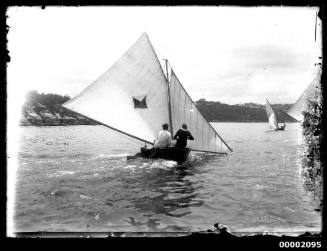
<point x="271" y="116"/>
<point x="301" y="104"/>
<point x="110" y="99"/>
<point x="132" y="98"/>
<point x="185" y="111"/>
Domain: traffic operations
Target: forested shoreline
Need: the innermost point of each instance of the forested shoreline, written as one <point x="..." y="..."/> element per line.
<point x="313" y="134"/>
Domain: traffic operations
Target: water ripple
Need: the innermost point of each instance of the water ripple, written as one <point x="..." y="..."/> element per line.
<point x="78" y="186"/>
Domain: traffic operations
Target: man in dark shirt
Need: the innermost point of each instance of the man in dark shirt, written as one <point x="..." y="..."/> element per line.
<point x="283" y="126"/>
<point x="182" y="136"/>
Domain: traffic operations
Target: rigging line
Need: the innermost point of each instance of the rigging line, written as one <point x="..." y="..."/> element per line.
<point x="191" y="118"/>
<point x="159" y="57"/>
<point x="209" y="138"/>
<point x="169" y="101"/>
<point x="202" y="131"/>
<point x="221" y="145"/>
<point x="178" y="110"/>
<point x="179" y="97"/>
<point x="184" y="120"/>
<point x="202" y="114"/>
<point x="172" y="95"/>
<point x="100" y="123"/>
<point x="167" y="81"/>
<point x="216" y="142"/>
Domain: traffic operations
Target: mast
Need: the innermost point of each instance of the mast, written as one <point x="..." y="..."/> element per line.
<point x="169" y="101"/>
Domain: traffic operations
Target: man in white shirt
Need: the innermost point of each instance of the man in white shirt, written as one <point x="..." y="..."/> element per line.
<point x="164" y="138"/>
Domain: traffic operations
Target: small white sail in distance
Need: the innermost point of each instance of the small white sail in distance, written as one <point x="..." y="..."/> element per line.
<point x="132" y="98"/>
<point x="271" y="116"/>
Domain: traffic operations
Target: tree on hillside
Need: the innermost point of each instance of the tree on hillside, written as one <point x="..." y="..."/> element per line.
<point x="49" y="99"/>
<point x="312" y="131"/>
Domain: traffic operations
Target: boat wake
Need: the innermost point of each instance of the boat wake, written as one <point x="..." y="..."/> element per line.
<point x="163" y="164"/>
<point x="60" y="174"/>
<point x="112" y="156"/>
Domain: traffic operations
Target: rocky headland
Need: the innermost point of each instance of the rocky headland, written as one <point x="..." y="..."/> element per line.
<point x="41" y="115"/>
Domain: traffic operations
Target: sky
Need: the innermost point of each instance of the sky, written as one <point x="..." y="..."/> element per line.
<point x="228" y="54"/>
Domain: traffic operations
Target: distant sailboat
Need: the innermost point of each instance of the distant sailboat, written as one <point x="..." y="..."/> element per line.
<point x="272" y="119"/>
<point x="136" y="96"/>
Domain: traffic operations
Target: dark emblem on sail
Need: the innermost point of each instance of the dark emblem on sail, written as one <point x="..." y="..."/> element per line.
<point x="140" y="102"/>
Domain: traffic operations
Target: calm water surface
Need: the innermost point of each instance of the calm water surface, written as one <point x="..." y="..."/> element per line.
<point x="77" y="178"/>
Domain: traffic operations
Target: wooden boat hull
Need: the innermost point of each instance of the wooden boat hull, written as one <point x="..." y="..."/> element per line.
<point x="180" y="155"/>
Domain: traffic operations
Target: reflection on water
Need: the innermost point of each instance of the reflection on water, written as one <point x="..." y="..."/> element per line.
<point x="176" y="194"/>
<point x="78" y="179"/>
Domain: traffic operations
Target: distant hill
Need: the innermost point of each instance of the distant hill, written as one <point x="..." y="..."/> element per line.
<point x="248" y="112"/>
<point x="44" y="110"/>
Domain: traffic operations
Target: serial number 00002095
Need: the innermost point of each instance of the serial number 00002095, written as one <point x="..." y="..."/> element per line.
<point x="300" y="244"/>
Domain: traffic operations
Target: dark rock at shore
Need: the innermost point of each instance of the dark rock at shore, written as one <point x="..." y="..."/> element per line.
<point x="41" y="115"/>
<point x="30" y="117"/>
<point x="24" y="122"/>
<point x="48" y="118"/>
